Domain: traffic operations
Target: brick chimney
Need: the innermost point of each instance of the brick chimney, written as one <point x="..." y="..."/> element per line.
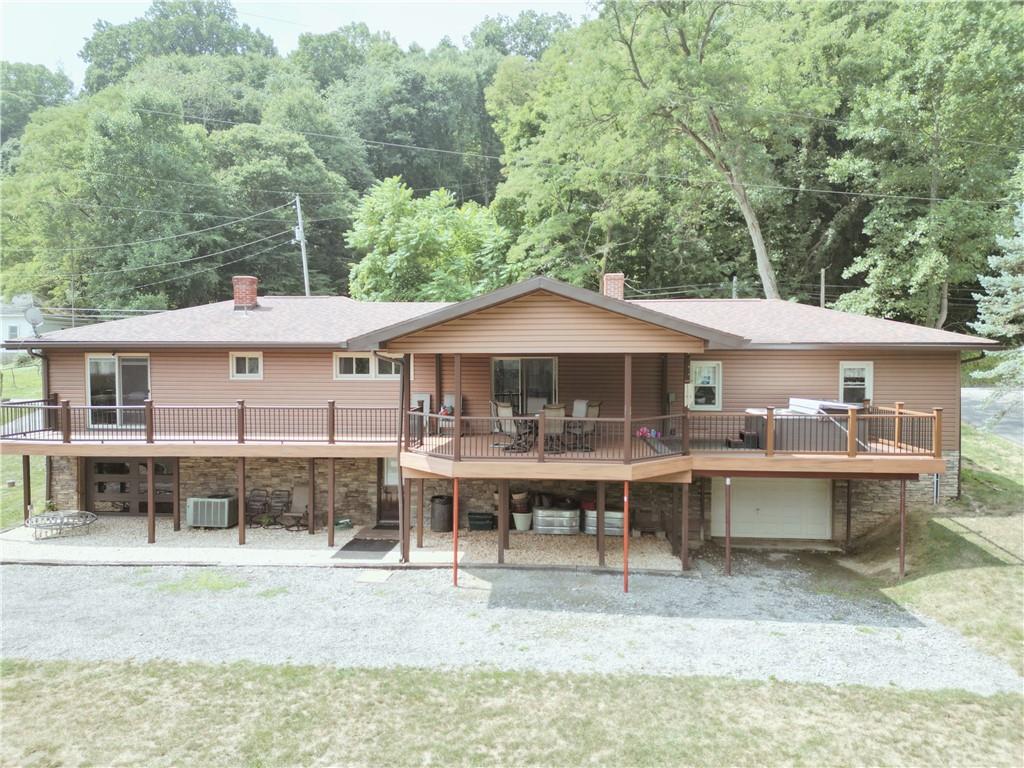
<point x="245" y="291"/>
<point x="613" y="284"/>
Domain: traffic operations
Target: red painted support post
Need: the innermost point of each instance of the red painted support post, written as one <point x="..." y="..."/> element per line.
<point x="685" y="536"/>
<point x="26" y="483"/>
<point x="728" y="526"/>
<point x="330" y="501"/>
<point x="241" y="500"/>
<point x="903" y="527"/>
<point x="625" y="536"/>
<point x="150" y="501"/>
<point x="455" y="531"/>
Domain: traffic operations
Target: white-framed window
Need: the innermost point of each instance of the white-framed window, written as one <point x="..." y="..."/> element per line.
<point x="356" y="366"/>
<point x="856" y="381"/>
<point x="12" y="332"/>
<point x="246" y="366"/>
<point x="704" y="392"/>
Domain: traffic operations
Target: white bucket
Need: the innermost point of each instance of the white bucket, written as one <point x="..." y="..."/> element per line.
<point x="523" y="520"/>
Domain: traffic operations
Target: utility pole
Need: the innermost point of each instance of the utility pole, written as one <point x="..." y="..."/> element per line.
<point x="822" y="302"/>
<point x="734" y="287"/>
<point x="300" y="238"/>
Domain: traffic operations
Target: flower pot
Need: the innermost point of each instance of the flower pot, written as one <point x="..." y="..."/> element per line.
<point x="523" y="520"/>
<point x="520" y="495"/>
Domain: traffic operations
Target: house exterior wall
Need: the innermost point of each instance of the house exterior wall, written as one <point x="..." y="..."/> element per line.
<point x="542" y="323"/>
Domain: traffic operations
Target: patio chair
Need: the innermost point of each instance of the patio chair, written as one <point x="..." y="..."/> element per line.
<point x="554" y="428"/>
<point x="535" y="405"/>
<point x="283" y="509"/>
<point x="580" y="434"/>
<point x="257" y="505"/>
<point x="503" y="425"/>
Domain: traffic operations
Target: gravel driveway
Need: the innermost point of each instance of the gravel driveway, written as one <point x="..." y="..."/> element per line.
<point x="765" y="622"/>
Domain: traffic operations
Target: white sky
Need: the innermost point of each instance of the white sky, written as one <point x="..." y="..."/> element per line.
<point x="52" y="33"/>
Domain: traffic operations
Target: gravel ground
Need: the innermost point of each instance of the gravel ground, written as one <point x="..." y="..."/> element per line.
<point x="765" y="622"/>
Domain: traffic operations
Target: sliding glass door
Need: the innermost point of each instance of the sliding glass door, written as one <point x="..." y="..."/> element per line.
<point x="528" y="383"/>
<point x="117" y="380"/>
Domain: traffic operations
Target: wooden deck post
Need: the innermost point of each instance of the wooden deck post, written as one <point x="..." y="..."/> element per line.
<point x="684" y="537"/>
<point x="150" y="500"/>
<point x="331" y="421"/>
<point x="148" y="405"/>
<point x="65" y="421"/>
<point x="903" y="527"/>
<point x="851" y="432"/>
<point x="685" y="431"/>
<point x="438" y="383"/>
<point x="176" y="499"/>
<point x="241" y="421"/>
<point x="601" y="501"/>
<point x="937" y="433"/>
<point x="406" y="425"/>
<point x="502" y="519"/>
<point x="627" y="409"/>
<point x="898" y="428"/>
<point x="406" y="519"/>
<point x="625" y="536"/>
<point x="769" y="431"/>
<point x="330" y="501"/>
<point x="421" y="502"/>
<point x="455" y="531"/>
<point x="26" y="484"/>
<point x="457" y="423"/>
<point x="728" y="526"/>
<point x="311" y="523"/>
<point x="241" y="500"/>
<point x="541" y="435"/>
<point x="849" y="512"/>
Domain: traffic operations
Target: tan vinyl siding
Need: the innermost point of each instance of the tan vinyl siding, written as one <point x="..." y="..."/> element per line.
<point x="921" y="379"/>
<point x="544" y="323"/>
<point x="201" y="377"/>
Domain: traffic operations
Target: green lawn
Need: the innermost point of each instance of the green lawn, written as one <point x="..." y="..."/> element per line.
<point x="966" y="559"/>
<point x="11" y="498"/>
<point x="164" y="714"/>
<point x="21" y="383"/>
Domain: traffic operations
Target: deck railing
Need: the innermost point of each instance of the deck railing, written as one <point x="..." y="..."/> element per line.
<point x="871" y="431"/>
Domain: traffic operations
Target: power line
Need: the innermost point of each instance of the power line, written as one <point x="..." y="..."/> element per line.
<point x="208" y="269"/>
<point x="170" y="263"/>
<point x="84" y="204"/>
<point x="155" y="239"/>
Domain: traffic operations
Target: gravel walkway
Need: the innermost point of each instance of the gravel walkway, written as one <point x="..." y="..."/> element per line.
<point x="764" y="623"/>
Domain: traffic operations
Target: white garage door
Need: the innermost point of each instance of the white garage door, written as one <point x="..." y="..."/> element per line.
<point x="773" y="509"/>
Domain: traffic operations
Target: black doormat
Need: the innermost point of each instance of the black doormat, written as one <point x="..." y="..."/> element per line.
<point x="361" y="549"/>
<point x="386" y="526"/>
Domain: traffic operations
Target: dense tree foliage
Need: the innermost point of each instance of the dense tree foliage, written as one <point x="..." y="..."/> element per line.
<point x="685" y="144"/>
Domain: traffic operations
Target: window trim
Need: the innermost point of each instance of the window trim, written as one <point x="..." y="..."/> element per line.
<point x="691" y="387"/>
<point x="234" y="376"/>
<point x="374" y="368"/>
<point x="118" y="394"/>
<point x="869" y="377"/>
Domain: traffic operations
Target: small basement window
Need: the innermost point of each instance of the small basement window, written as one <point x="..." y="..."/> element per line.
<point x="247" y="366"/>
<point x="856" y="381"/>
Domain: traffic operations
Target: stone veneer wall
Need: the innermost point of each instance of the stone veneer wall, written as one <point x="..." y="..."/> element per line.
<point x="355" y="481"/>
<point x="877" y="501"/>
<point x="63" y="482"/>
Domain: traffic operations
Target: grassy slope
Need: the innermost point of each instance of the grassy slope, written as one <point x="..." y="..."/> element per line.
<point x="23" y="383"/>
<point x="966" y="561"/>
<point x="162" y="714"/>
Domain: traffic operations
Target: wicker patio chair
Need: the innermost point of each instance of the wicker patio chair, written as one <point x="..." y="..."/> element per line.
<point x="283" y="509"/>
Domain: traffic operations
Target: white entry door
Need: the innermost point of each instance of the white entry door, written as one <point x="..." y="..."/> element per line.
<point x="773" y="509"/>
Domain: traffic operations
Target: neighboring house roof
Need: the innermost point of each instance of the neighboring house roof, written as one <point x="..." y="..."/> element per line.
<point x="774" y="323"/>
<point x="338" y="321"/>
<point x="689" y="326"/>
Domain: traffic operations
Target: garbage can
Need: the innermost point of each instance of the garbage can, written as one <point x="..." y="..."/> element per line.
<point x="440" y="513"/>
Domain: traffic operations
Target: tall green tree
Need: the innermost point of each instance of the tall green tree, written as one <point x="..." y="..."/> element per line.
<point x="935" y="119"/>
<point x="191" y="27"/>
<point x="424" y="249"/>
<point x="24" y="88"/>
<point x="334" y="56"/>
<point x="528" y="35"/>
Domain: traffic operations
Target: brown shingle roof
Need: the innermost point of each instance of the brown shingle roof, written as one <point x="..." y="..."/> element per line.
<point x="773" y="322"/>
<point x="329" y="321"/>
